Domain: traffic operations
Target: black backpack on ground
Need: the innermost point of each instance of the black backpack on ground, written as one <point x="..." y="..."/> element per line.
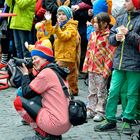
<point x="15" y="75"/>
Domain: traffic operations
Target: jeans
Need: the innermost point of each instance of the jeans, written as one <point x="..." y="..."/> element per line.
<point x="20" y="37"/>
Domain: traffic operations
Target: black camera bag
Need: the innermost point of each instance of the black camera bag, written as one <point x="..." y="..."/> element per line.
<point x="15" y="75"/>
<point x="77" y="112"/>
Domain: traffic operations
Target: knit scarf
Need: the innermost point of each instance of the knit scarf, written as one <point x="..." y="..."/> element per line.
<point x="61" y="24"/>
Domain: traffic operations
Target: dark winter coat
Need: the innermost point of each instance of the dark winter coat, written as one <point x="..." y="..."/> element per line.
<point x="127" y="55"/>
<point x="1" y="3"/>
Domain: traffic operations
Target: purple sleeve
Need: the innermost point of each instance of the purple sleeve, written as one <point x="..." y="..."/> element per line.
<point x="83" y="5"/>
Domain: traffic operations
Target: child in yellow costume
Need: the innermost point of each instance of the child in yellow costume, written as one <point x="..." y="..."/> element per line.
<point x="42" y="37"/>
<point x="66" y="44"/>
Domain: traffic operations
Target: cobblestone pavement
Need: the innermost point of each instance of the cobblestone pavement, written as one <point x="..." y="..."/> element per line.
<point x="11" y="127"/>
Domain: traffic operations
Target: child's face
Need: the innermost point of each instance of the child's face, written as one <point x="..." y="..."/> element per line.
<point x="40" y="34"/>
<point x="95" y="24"/>
<point x="129" y="5"/>
<point x="61" y="17"/>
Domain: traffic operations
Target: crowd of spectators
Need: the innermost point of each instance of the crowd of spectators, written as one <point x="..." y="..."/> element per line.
<point x="93" y="39"/>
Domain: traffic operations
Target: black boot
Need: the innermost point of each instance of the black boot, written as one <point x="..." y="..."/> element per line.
<point x="52" y="137"/>
<point x="37" y="136"/>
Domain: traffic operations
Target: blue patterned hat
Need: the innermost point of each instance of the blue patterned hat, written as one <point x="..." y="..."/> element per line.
<point x="66" y="10"/>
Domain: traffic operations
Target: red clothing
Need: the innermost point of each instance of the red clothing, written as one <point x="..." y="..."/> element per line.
<point x="99" y="54"/>
<point x="53" y="118"/>
<point x="39" y="10"/>
<point x="83" y="5"/>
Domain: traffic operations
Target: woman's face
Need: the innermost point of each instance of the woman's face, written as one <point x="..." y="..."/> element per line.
<point x="38" y="62"/>
<point x="128" y="5"/>
<point x="61" y="16"/>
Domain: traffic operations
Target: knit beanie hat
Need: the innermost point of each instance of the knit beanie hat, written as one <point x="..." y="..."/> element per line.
<point x="136" y="4"/>
<point x="44" y="52"/>
<point x="103" y="6"/>
<point x="66" y="10"/>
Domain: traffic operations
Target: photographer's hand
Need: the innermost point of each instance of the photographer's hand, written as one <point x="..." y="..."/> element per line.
<point x="24" y="69"/>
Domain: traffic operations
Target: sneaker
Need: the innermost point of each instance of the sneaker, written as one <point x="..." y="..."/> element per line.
<point x="105" y="126"/>
<point x="126" y="128"/>
<point x="98" y="118"/>
<point x="2" y="65"/>
<point x="134" y="122"/>
<point x="52" y="137"/>
<point x="90" y="114"/>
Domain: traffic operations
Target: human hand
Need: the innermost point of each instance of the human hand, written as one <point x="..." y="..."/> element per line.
<point x="40" y="12"/>
<point x="88" y="23"/>
<point x="47" y="15"/>
<point x="75" y="8"/>
<point x="120" y="37"/>
<point x="122" y="30"/>
<point x="90" y="12"/>
<point x="57" y="25"/>
<point x="24" y="69"/>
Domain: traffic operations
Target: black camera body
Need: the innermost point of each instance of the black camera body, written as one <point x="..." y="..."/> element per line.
<point x="27" y="61"/>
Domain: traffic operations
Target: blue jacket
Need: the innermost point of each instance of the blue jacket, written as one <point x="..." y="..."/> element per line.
<point x="127" y="55"/>
<point x="102" y="6"/>
<point x="98" y="7"/>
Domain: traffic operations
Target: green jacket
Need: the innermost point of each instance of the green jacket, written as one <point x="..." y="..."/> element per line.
<point x="25" y="10"/>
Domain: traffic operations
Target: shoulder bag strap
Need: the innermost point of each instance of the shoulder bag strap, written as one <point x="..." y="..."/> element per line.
<point x="65" y="89"/>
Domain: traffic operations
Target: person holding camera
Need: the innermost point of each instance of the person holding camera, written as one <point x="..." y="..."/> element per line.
<point x="43" y="103"/>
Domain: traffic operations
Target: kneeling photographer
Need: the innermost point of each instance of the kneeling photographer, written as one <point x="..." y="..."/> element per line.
<point x="43" y="103"/>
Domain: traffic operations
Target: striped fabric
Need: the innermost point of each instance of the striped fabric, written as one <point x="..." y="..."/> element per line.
<point x="99" y="54"/>
<point x="43" y="52"/>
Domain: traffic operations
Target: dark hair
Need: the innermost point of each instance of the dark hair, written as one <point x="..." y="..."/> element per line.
<point x="103" y="17"/>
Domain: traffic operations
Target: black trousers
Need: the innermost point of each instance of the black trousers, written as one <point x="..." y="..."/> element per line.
<point x="32" y="106"/>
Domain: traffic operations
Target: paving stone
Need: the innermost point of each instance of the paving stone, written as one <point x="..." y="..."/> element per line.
<point x="11" y="127"/>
